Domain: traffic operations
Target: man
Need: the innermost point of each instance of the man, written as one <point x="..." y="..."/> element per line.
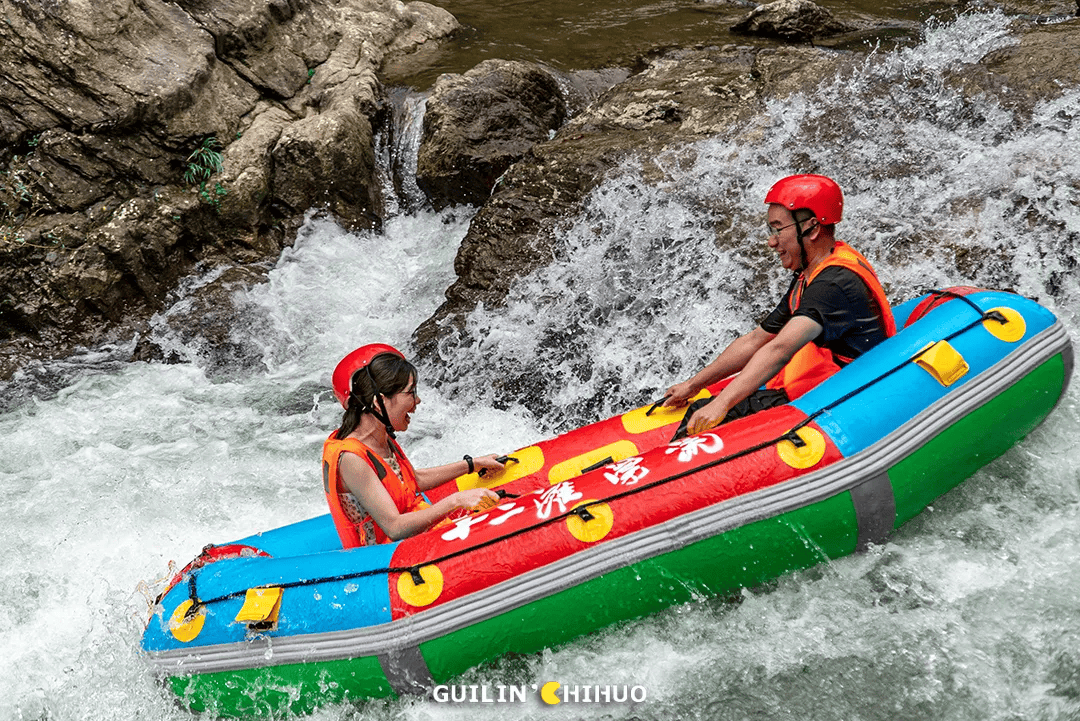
<point x="834" y="311"/>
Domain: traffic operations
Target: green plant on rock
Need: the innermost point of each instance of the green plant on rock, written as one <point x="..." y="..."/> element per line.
<point x="204" y="161"/>
<point x="18" y="201"/>
<point x="213" y="196"/>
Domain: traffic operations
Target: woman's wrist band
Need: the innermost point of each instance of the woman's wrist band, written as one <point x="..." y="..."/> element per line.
<point x="468" y="459"/>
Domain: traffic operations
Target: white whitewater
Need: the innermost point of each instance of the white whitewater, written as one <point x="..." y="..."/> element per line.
<point x="972" y="611"/>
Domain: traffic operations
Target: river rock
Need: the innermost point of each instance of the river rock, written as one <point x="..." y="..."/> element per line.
<point x="201" y="325"/>
<point x="791" y="20"/>
<point x="328" y="161"/>
<point x="478" y="124"/>
<point x="680" y="97"/>
<point x="138" y="139"/>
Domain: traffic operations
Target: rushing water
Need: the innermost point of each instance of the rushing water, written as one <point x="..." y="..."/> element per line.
<point x="972" y="610"/>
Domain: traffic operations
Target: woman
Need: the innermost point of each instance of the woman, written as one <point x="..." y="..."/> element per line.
<point x="374" y="493"/>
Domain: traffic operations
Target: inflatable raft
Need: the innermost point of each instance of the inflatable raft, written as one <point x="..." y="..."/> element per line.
<point x="612" y="521"/>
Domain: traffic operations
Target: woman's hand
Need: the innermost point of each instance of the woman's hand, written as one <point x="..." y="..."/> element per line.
<point x="489" y="462"/>
<point x="428" y="478"/>
<point x="471" y="498"/>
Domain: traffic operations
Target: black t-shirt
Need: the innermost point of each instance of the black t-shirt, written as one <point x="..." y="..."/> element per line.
<point x="840" y="302"/>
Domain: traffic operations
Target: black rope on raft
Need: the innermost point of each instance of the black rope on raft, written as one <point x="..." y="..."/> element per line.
<point x="581" y="511"/>
<point x="193" y="595"/>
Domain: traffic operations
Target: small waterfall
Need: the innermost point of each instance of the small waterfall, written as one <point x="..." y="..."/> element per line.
<point x="396" y="146"/>
<point x="213" y="319"/>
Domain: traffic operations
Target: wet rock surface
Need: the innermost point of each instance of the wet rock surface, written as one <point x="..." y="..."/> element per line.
<point x="202" y="327"/>
<point x="478" y="124"/>
<point x="1039" y="67"/>
<point x="791" y="20"/>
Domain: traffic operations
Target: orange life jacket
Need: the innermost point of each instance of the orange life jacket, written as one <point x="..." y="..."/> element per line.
<point x="812" y="364"/>
<point x="403" y="490"/>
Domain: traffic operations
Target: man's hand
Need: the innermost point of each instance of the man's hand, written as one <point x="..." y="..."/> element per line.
<point x="708" y="416"/>
<point x="679" y="395"/>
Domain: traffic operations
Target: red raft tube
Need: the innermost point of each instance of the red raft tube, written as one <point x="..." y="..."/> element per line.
<point x="612" y="522"/>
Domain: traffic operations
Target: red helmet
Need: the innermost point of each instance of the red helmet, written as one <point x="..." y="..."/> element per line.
<point x="343" y="373"/>
<point x="816" y="192"/>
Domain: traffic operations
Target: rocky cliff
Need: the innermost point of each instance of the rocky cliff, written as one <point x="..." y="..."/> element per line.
<point x="141" y="139"/>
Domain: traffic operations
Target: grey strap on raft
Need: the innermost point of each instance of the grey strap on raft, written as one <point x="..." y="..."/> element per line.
<point x="407" y="671"/>
<point x="875" y="510"/>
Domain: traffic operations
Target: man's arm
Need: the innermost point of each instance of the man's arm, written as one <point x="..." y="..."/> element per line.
<point x="733" y="359"/>
<point x="763" y="365"/>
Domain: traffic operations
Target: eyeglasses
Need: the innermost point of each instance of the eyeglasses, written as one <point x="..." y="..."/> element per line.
<point x="771" y="231"/>
<point x="414" y="394"/>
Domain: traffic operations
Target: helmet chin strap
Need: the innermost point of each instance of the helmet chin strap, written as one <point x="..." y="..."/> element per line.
<point x="384" y="417"/>
<point x="799" y="235"/>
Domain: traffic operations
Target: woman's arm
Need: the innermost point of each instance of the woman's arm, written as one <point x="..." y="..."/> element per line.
<point x="358" y="477"/>
<point x="428" y="478"/>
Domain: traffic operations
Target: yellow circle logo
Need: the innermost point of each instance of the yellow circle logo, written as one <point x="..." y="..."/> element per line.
<point x="424" y="593"/>
<point x="806" y="455"/>
<point x="1011" y="330"/>
<point x="595" y="528"/>
<point x="186" y="623"/>
<point x="547" y="693"/>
